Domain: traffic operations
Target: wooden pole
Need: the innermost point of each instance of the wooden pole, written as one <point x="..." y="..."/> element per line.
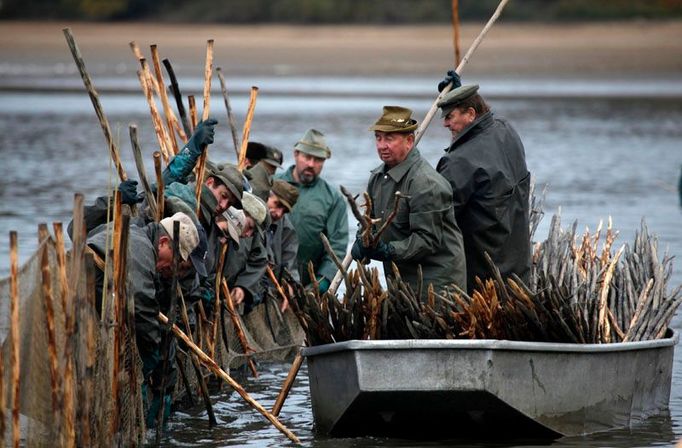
<point x="278" y="287"/>
<point x="141" y="172"/>
<point x="216" y="304"/>
<point x="455" y="30"/>
<point x="94" y="98"/>
<point x="3" y="405"/>
<point x="159" y="186"/>
<point x="144" y="76"/>
<point x="434" y="107"/>
<point x="211" y="364"/>
<point x="201" y="164"/>
<point x="139" y="56"/>
<point x="167" y="110"/>
<point x="175" y="88"/>
<point x="193" y="119"/>
<point x="48" y="302"/>
<point x="247" y="127"/>
<point x="336" y="281"/>
<point x="14" y="332"/>
<point x="230" y="115"/>
<point x="286" y="387"/>
<point x="238" y="327"/>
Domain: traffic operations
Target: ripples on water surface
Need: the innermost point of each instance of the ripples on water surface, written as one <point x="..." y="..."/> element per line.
<point x="599" y="154"/>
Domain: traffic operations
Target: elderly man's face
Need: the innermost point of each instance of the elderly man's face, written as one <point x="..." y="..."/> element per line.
<point x="393" y="147"/>
<point x="307" y="168"/>
<point x="222" y="195"/>
<point x="457" y="120"/>
<point x="276" y="208"/>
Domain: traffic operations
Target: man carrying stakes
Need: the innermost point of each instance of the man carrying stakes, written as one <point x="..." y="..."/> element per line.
<point x="320" y="209"/>
<point x="486" y="166"/>
<point x="423" y="232"/>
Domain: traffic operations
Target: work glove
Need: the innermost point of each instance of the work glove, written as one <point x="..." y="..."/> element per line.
<point x="128" y="190"/>
<point x="203" y="135"/>
<point x="323" y="285"/>
<point x="359" y="251"/>
<point x="450" y="77"/>
<point x="382" y="252"/>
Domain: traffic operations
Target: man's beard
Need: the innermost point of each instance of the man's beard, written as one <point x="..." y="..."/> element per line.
<point x="307" y="176"/>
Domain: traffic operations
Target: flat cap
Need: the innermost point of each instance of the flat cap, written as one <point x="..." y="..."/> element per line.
<point x="285" y="192"/>
<point x="314" y="144"/>
<point x="456" y="96"/>
<point x="229" y="175"/>
<point x="395" y="119"/>
<point x="254" y="206"/>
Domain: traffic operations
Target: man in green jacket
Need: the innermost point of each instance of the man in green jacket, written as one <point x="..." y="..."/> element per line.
<point x="320" y="209"/>
<point x="424" y="232"/>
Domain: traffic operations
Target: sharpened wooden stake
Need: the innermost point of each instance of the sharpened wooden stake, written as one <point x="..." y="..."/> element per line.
<point x="286" y="387"/>
<point x="211" y="364"/>
<point x="201" y="163"/>
<point x="247" y="128"/>
<point x="230" y="115"/>
<point x="94" y="98"/>
<point x="14" y="332"/>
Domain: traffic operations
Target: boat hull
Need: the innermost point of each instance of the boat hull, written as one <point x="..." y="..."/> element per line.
<point x="497" y="388"/>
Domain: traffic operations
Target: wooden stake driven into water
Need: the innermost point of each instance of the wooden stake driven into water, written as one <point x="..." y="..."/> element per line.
<point x="247" y="128"/>
<point x="228" y="108"/>
<point x="213" y="366"/>
<point x="14" y="333"/>
<point x="94" y="98"/>
<point x="201" y="163"/>
<point x="286" y="387"/>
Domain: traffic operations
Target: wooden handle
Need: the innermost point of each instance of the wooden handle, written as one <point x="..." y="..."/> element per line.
<point x="230" y="115"/>
<point x="286" y="387"/>
<point x="247" y="127"/>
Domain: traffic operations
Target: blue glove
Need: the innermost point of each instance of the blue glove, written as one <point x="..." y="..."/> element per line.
<point x="323" y="285"/>
<point x="128" y="189"/>
<point x="450" y="77"/>
<point x="203" y="135"/>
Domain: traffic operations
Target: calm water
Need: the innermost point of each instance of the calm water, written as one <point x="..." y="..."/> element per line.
<point x="605" y="149"/>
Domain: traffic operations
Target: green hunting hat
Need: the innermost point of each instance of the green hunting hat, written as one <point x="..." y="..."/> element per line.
<point x="229" y="175"/>
<point x="273" y="156"/>
<point x="456" y="96"/>
<point x="313" y="144"/>
<point x="285" y="192"/>
<point x="395" y="119"/>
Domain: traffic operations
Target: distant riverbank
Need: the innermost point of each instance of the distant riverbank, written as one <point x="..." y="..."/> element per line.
<point x="600" y="50"/>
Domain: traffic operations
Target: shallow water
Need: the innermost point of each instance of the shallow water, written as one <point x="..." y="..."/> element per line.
<point x="610" y="151"/>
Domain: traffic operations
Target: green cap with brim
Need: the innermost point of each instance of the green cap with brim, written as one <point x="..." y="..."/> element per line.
<point x="456" y="96"/>
<point x="395" y="119"/>
<point x="229" y="175"/>
<point x="285" y="192"/>
<point x="313" y="144"/>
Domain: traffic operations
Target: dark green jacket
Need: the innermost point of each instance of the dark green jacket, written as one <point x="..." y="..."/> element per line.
<point x="486" y="167"/>
<point x="282" y="244"/>
<point x="424" y="231"/>
<point x="245" y="266"/>
<point x="320" y="209"/>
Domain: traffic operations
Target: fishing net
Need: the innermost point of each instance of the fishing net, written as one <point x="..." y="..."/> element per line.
<point x="55" y="407"/>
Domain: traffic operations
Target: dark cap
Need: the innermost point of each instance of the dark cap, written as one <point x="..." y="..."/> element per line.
<point x="395" y="119"/>
<point x="456" y="96"/>
<point x="229" y="175"/>
<point x="273" y="156"/>
<point x="285" y="192"/>
<point x="255" y="151"/>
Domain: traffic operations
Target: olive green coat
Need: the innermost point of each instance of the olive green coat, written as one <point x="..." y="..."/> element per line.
<point x="320" y="209"/>
<point x="424" y="231"/>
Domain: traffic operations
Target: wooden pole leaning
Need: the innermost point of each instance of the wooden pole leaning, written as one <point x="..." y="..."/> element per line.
<point x="141" y="172"/>
<point x="14" y="359"/>
<point x="455" y="31"/>
<point x="238" y="327"/>
<point x="213" y="366"/>
<point x="163" y="94"/>
<point x="286" y="387"/>
<point x="434" y="107"/>
<point x="159" y="186"/>
<point x="175" y="88"/>
<point x="336" y="281"/>
<point x="201" y="163"/>
<point x="94" y="98"/>
<point x="159" y="129"/>
<point x="278" y="287"/>
<point x="230" y="115"/>
<point x="48" y="306"/>
<point x="247" y="128"/>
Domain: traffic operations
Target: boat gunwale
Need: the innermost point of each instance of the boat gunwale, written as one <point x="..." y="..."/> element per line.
<point x="488" y="344"/>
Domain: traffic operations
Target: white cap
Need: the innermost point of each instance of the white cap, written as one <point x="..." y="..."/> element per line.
<point x="255" y="207"/>
<point x="236" y="221"/>
<point x="189" y="237"/>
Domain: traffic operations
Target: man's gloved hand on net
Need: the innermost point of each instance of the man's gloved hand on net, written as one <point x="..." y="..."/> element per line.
<point x="203" y="135"/>
<point x="128" y="190"/>
<point x="450" y="77"/>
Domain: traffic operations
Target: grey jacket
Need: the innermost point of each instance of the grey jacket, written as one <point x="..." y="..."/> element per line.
<point x="424" y="231"/>
<point x="486" y="167"/>
<point x="282" y="244"/>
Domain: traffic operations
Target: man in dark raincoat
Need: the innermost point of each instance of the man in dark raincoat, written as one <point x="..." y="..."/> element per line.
<point x="424" y="232"/>
<point x="486" y="167"/>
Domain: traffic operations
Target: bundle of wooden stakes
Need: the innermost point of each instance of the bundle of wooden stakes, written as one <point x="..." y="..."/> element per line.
<point x="576" y="294"/>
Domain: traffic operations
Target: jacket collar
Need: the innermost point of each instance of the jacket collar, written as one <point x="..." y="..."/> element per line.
<point x="398" y="171"/>
<point x="480" y="123"/>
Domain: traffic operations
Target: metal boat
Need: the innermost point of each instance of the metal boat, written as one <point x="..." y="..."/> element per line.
<point x="494" y="388"/>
